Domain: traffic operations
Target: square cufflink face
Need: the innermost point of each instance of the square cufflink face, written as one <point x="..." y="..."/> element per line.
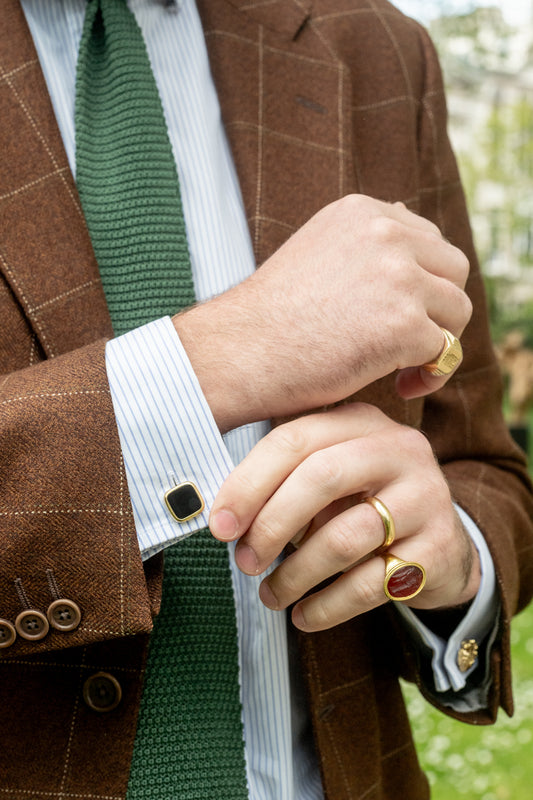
<point x="184" y="501"/>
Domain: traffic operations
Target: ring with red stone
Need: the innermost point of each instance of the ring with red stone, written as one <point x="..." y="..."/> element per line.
<point x="403" y="579"/>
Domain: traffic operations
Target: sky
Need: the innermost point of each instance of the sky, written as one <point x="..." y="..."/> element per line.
<point x="516" y="12"/>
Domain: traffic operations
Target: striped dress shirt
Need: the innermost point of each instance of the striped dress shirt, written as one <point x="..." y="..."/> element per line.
<point x="166" y="428"/>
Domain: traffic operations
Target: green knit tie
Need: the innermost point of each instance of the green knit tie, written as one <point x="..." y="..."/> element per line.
<point x="126" y="174"/>
<point x="189" y="742"/>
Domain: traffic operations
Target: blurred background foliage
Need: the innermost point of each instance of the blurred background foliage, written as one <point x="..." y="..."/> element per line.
<point x="486" y="51"/>
<point x="488" y="70"/>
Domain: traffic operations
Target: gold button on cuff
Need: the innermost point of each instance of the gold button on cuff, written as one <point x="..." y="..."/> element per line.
<point x="32" y="625"/>
<point x="64" y="615"/>
<point x="184" y="501"/>
<point x="8" y="634"/>
<point x="467" y="655"/>
<point x="102" y="692"/>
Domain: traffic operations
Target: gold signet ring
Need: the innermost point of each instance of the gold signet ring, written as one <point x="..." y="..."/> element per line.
<point x="386" y="518"/>
<point x="449" y="357"/>
<point x="403" y="579"/>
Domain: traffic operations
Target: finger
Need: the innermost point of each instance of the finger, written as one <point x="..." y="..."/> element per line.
<point x="412" y="379"/>
<point x="418" y="381"/>
<point x="447" y="306"/>
<point x="361" y="589"/>
<point x="441" y="258"/>
<point x="353" y="467"/>
<point x="432" y="250"/>
<point x="445" y="551"/>
<point x="399" y="211"/>
<point x="333" y="510"/>
<point x="338" y="545"/>
<point x="353" y="593"/>
<point x="414" y="382"/>
<point x="257" y="477"/>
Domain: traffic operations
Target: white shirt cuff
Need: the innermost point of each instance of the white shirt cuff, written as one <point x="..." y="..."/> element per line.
<point x="167" y="432"/>
<point x="477" y="623"/>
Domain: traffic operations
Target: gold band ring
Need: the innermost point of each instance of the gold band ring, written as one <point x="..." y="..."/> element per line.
<point x="403" y="579"/>
<point x="386" y="518"/>
<point x="449" y="357"/>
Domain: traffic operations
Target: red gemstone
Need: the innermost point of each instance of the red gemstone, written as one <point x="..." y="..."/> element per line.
<point x="405" y="581"/>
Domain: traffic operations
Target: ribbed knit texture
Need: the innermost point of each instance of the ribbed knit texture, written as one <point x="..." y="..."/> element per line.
<point x="189" y="743"/>
<point x="126" y="174"/>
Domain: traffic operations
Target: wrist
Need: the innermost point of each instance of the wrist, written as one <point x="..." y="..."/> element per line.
<point x="227" y="371"/>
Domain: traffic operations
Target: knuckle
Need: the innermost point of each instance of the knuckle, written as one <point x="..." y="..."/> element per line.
<point x="321" y="612"/>
<point x="412" y="315"/>
<point x="464" y="265"/>
<point x="323" y="470"/>
<point x="341" y="542"/>
<point x="354" y="201"/>
<point x="269" y="531"/>
<point x="288" y="587"/>
<point x="418" y="455"/>
<point x="467" y="308"/>
<point x="372" y="419"/>
<point x="243" y="484"/>
<point x="433" y="228"/>
<point x="349" y="205"/>
<point x="290" y="438"/>
<point x="413" y="440"/>
<point x="385" y="229"/>
<point x="363" y="592"/>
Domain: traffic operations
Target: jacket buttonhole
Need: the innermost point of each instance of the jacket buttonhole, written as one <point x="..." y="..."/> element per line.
<point x="326" y="712"/>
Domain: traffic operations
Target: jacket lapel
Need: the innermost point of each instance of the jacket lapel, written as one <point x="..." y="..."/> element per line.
<point x="45" y="251"/>
<point x="285" y="100"/>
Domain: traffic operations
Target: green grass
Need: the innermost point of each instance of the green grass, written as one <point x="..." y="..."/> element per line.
<point x="482" y="763"/>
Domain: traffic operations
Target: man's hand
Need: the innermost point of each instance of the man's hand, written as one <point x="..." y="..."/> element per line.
<point x="361" y="290"/>
<point x="304" y="483"/>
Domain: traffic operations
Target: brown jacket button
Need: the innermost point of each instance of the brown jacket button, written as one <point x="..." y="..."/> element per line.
<point x="32" y="625"/>
<point x="64" y="615"/>
<point x="102" y="692"/>
<point x="8" y="633"/>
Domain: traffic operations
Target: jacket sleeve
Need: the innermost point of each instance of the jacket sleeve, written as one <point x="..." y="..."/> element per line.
<point x="66" y="527"/>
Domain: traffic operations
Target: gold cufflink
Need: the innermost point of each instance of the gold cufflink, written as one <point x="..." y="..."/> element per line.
<point x="184" y="501"/>
<point x="466" y="657"/>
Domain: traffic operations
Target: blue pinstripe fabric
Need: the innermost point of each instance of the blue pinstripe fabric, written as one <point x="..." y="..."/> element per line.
<point x="280" y="765"/>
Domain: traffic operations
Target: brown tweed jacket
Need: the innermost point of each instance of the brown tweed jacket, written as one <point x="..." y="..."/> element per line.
<point x="319" y="99"/>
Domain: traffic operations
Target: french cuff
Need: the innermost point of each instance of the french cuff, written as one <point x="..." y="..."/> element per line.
<point x="174" y="456"/>
<point x="454" y="660"/>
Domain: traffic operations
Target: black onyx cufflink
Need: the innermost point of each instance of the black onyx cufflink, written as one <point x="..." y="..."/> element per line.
<point x="184" y="501"/>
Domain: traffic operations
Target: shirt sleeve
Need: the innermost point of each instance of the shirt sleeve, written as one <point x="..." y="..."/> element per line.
<point x="479" y="624"/>
<point x="167" y="432"/>
<point x="168" y="437"/>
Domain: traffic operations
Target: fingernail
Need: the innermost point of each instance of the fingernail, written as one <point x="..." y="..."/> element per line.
<point x="268" y="598"/>
<point x="224" y="525"/>
<point x="246" y="559"/>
